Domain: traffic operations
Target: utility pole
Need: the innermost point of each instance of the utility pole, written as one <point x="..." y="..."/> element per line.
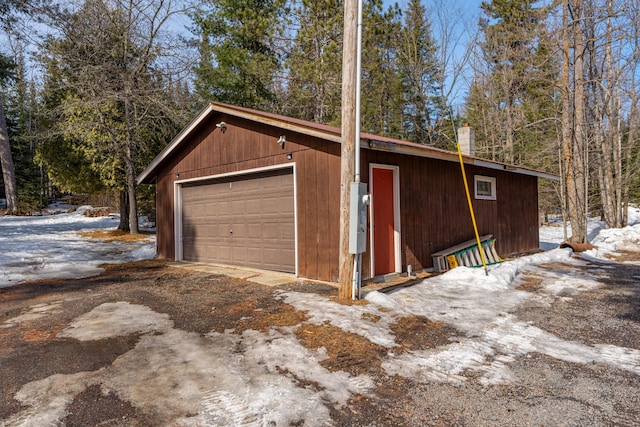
<point x="348" y="144"/>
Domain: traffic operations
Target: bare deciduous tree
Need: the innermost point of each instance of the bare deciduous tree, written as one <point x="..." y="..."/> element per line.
<point x="108" y="68"/>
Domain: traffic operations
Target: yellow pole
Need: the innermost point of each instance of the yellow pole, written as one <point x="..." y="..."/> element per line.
<point x="473" y="216"/>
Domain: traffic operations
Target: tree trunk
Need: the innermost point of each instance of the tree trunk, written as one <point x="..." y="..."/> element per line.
<point x="631" y="135"/>
<point x="124" y="211"/>
<point x="616" y="123"/>
<point x="129" y="162"/>
<point x="578" y="214"/>
<point x="6" y="162"/>
<point x="567" y="134"/>
<point x="133" y="204"/>
<point x="608" y="128"/>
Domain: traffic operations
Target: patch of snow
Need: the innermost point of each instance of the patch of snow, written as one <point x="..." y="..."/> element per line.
<point x="148" y="251"/>
<point x="478" y="306"/>
<point x="366" y="320"/>
<point x="47" y="399"/>
<point x="442" y="364"/>
<point x="145" y="224"/>
<point x="607" y="241"/>
<point x="634" y="215"/>
<point x="613" y="241"/>
<point x="116" y="319"/>
<point x="564" y="283"/>
<point x="45" y="247"/>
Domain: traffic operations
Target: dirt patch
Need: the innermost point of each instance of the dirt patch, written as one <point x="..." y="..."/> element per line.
<point x="40" y="335"/>
<point x="557" y="266"/>
<point x="624" y="256"/>
<point x="349" y="302"/>
<point x="374" y="318"/>
<point x="384" y="407"/>
<point x="104" y="410"/>
<point x="242" y="307"/>
<point x="420" y="333"/>
<point x="115" y="235"/>
<point x="528" y="283"/>
<point x="145" y="266"/>
<point x="31" y="360"/>
<point x="265" y="318"/>
<point x="346" y="351"/>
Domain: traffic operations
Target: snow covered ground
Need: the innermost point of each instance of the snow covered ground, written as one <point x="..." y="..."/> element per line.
<point x="49" y="246"/>
<point x="217" y="385"/>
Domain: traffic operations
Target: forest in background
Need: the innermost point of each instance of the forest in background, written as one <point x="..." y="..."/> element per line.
<point x="91" y="91"/>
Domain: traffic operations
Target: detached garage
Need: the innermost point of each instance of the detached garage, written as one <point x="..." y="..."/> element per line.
<point x="244" y="187"/>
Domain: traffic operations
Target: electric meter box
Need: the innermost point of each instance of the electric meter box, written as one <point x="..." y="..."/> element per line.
<point x="359" y="201"/>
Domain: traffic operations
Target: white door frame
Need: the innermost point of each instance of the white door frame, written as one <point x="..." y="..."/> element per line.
<point x="177" y="204"/>
<point x="396" y="216"/>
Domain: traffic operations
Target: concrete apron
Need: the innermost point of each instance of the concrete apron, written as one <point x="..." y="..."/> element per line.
<point x="276" y="278"/>
<point x="263" y="277"/>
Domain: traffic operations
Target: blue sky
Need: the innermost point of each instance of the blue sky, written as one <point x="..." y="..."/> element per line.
<point x="460" y="19"/>
<point x="470" y="4"/>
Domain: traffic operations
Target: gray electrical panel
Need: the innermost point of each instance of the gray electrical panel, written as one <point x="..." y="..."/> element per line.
<point x="359" y="200"/>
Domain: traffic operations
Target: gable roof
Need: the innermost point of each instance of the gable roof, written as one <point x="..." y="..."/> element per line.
<point x="326" y="132"/>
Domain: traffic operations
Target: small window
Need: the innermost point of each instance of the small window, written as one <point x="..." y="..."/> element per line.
<point x="485" y="187"/>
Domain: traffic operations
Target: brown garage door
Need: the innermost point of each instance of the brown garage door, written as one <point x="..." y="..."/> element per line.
<point x="244" y="220"/>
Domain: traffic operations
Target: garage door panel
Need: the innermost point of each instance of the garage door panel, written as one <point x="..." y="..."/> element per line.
<point x="208" y="251"/>
<point x="258" y="208"/>
<point x="239" y="233"/>
<point x="287" y="234"/>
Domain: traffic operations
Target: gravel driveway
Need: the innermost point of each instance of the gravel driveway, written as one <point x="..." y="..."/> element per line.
<point x="52" y="375"/>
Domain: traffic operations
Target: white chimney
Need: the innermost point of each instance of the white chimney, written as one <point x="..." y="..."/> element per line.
<point x="467" y="140"/>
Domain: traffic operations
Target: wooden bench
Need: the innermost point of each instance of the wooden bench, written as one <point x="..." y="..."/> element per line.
<point x="466" y="254"/>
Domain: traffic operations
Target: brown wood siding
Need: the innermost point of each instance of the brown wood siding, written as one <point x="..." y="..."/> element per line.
<point x="248" y="145"/>
<point x="164" y="219"/>
<point x="517" y="214"/>
<point x="435" y="213"/>
<point x="433" y="206"/>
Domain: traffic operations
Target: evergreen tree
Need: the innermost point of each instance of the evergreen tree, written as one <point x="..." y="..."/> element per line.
<point x="8" y="9"/>
<point x="381" y="89"/>
<point x="6" y="157"/>
<point x="238" y="61"/>
<point x="514" y="83"/>
<point x="314" y="62"/>
<point x="21" y="123"/>
<point x="417" y="59"/>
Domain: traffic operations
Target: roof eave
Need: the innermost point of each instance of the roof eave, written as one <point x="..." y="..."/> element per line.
<point x="451" y="156"/>
<point x="146" y="176"/>
<point x="391" y="147"/>
<point x="515" y="169"/>
<point x="368" y="141"/>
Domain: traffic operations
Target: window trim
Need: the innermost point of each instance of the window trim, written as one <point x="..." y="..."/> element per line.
<point x="491" y="180"/>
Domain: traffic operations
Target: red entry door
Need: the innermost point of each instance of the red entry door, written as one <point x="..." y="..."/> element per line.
<point x="383" y="221"/>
